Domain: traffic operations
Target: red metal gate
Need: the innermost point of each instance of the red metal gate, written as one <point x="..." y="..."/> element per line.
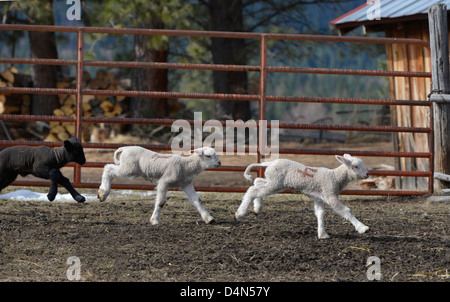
<point x="261" y="98"/>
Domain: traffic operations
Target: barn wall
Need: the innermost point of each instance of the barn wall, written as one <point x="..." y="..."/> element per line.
<point x="410" y="58"/>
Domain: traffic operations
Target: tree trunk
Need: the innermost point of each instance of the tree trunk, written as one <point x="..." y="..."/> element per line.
<point x="227" y="16"/>
<point x="146" y="79"/>
<point x="43" y="45"/>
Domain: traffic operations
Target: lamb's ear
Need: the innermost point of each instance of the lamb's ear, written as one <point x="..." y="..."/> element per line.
<point x="348" y="156"/>
<point x="73" y="140"/>
<point x="198" y="151"/>
<point x="67" y="145"/>
<point x="343" y="159"/>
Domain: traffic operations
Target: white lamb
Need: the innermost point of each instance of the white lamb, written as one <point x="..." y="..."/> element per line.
<point x="168" y="170"/>
<point x="321" y="184"/>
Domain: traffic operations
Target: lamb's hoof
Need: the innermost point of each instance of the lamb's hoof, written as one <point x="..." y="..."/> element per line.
<point x="324" y="236"/>
<point x="101" y="195"/>
<point x="363" y="229"/>
<point x="51" y="197"/>
<point x="154" y="221"/>
<point x="257" y="210"/>
<point x="238" y="216"/>
<point x="210" y="220"/>
<point x="80" y="199"/>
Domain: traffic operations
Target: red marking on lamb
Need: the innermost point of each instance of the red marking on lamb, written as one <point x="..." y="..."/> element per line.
<point x="306" y="174"/>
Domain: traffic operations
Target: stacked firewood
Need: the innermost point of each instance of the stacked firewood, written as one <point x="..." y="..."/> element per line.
<point x="97" y="106"/>
<point x="92" y="106"/>
<point x="379" y="182"/>
<point x="13" y="103"/>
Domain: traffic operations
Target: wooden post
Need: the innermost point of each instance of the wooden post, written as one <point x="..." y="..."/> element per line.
<point x="262" y="99"/>
<point x="437" y="18"/>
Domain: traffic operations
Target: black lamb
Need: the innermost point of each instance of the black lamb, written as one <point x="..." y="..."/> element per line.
<point x="43" y="162"/>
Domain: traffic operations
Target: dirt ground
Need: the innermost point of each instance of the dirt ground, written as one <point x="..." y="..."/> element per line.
<point x="114" y="240"/>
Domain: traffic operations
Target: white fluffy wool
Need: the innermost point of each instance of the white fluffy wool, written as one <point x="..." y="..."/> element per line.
<point x="168" y="170"/>
<point x="323" y="185"/>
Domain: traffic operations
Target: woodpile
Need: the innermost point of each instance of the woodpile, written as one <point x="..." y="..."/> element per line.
<point x="14" y="103"/>
<point x="97" y="106"/>
<point x="92" y="106"/>
<point x="379" y="182"/>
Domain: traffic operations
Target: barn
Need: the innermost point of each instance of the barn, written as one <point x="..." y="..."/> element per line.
<point x="401" y="19"/>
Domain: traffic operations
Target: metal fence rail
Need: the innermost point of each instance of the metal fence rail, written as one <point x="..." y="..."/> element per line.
<point x="80" y="63"/>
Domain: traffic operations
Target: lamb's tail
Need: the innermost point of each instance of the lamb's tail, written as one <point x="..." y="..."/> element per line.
<point x="116" y="155"/>
<point x="251" y="166"/>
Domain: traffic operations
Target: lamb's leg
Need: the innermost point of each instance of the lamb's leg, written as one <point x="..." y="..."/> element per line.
<point x="258" y="205"/>
<point x="64" y="181"/>
<point x="319" y="210"/>
<point x="249" y="196"/>
<point x="54" y="176"/>
<point x="161" y="192"/>
<point x="255" y="191"/>
<point x="258" y="202"/>
<point x="109" y="172"/>
<point x="45" y="172"/>
<point x="346" y="213"/>
<point x="6" y="178"/>
<point x="194" y="199"/>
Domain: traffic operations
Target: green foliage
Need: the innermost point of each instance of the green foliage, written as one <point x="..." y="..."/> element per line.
<point x="169" y="14"/>
<point x="35" y="11"/>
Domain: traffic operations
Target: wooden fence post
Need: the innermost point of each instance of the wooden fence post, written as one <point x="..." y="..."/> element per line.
<point x="440" y="94"/>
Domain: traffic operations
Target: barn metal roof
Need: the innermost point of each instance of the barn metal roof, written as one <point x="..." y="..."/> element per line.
<point x="390" y="11"/>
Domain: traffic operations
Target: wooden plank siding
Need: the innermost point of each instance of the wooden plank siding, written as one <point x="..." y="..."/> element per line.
<point x="409" y="58"/>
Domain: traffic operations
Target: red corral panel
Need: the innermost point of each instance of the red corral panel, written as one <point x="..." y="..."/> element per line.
<point x="80" y="63"/>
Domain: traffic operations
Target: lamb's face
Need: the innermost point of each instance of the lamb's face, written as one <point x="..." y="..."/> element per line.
<point x="359" y="168"/>
<point x="75" y="149"/>
<point x="355" y="164"/>
<point x="209" y="157"/>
